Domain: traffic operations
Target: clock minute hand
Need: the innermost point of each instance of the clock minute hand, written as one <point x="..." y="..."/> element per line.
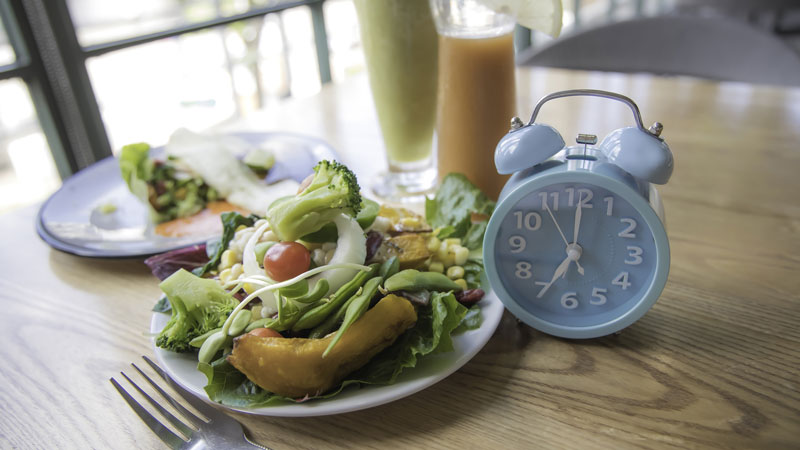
<point x="577" y="230"/>
<point x="577" y="221"/>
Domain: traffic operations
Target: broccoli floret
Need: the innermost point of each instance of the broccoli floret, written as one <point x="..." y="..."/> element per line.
<point x="199" y="305"/>
<point x="333" y="190"/>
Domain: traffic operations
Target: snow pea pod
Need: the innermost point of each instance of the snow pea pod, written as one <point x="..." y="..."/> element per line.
<point x="295" y="290"/>
<point x="414" y="280"/>
<point x="240" y="322"/>
<point x="211" y="346"/>
<point x="197" y="342"/>
<point x="316" y="315"/>
<point x="356" y="308"/>
<point x="319" y="291"/>
<point x="388" y="268"/>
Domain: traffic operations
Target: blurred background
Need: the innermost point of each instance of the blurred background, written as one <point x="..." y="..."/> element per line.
<point x="81" y="78"/>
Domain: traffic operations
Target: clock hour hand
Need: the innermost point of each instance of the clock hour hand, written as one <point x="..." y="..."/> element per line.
<point x="576" y="230"/>
<point x="560" y="270"/>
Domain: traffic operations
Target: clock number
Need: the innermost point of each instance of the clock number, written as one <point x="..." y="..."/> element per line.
<point x="609" y="205"/>
<point x="545" y="285"/>
<point x="523" y="270"/>
<point x="585" y="196"/>
<point x="571" y="196"/>
<point x="628" y="232"/>
<point x="600" y="295"/>
<point x="554" y="195"/>
<point x="569" y="300"/>
<point x="517" y="243"/>
<point x="622" y="281"/>
<point x="531" y="221"/>
<point x="636" y="255"/>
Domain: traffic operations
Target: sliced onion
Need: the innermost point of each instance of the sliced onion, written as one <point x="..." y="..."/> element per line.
<point x="351" y="247"/>
<point x="252" y="268"/>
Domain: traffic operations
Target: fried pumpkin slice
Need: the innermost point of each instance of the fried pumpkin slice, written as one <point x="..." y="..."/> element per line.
<point x="294" y="367"/>
<point x="411" y="250"/>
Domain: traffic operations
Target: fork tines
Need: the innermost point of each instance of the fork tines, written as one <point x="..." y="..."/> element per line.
<point x="218" y="429"/>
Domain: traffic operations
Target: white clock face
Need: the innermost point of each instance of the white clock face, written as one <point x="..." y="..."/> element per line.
<point x="575" y="254"/>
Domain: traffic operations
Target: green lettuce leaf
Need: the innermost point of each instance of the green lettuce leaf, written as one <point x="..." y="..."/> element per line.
<point x="452" y="208"/>
<point x="471" y="321"/>
<point x="436" y="324"/>
<point x="136" y="169"/>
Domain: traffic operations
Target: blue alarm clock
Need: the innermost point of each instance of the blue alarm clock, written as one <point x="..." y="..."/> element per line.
<point x="577" y="246"/>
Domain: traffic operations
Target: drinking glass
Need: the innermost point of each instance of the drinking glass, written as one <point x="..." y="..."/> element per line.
<point x="477" y="94"/>
<point x="400" y="48"/>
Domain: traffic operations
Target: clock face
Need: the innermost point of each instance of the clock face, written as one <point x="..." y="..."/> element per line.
<point x="586" y="281"/>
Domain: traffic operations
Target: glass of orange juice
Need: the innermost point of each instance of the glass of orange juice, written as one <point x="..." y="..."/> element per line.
<point x="400" y="49"/>
<point x="476" y="88"/>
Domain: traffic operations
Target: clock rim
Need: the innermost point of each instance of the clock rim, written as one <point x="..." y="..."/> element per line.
<point x="642" y="206"/>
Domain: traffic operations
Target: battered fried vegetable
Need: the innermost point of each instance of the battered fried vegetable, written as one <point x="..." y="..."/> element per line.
<point x="295" y="367"/>
<point x="410" y="249"/>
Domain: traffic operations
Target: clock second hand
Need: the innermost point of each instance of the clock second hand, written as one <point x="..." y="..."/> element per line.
<point x="580" y="269"/>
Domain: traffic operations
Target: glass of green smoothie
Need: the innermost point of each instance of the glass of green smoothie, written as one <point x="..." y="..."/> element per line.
<point x="400" y="47"/>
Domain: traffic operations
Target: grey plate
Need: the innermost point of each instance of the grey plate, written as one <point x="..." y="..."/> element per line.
<point x="71" y="219"/>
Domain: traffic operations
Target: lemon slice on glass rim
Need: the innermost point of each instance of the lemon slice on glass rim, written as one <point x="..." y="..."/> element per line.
<point x="539" y="15"/>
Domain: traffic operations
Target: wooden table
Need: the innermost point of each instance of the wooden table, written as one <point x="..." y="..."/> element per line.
<point x="714" y="364"/>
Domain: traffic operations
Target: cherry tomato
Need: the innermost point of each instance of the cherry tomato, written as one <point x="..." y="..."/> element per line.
<point x="265" y="332"/>
<point x="286" y="260"/>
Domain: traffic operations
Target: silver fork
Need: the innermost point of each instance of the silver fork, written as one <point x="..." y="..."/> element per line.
<point x="219" y="431"/>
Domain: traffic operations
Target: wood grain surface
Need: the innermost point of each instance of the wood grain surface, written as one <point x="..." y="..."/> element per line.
<point x="714" y="364"/>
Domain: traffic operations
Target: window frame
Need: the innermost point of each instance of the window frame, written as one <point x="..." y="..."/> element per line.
<point x="52" y="63"/>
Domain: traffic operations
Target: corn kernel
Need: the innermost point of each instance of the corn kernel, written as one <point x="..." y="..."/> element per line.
<point x="455" y="272"/>
<point x="224" y="276"/>
<point x="381" y="224"/>
<point x="433" y="244"/>
<point x="460" y="255"/>
<point x="442" y="252"/>
<point x="227" y="259"/>
<point x="241" y="227"/>
<point x="236" y="270"/>
<point x="461" y="282"/>
<point x="329" y="255"/>
<point x="249" y="288"/>
<point x="436" y="267"/>
<point x="318" y="256"/>
<point x="453" y="241"/>
<point x="448" y="260"/>
<point x="409" y="222"/>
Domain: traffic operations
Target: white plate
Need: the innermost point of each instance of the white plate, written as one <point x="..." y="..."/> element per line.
<point x="71" y="221"/>
<point x="430" y="370"/>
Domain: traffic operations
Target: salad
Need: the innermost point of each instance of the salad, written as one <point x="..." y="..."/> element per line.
<point x="327" y="290"/>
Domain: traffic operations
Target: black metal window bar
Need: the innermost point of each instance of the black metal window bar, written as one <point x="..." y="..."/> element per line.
<point x="50" y="60"/>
